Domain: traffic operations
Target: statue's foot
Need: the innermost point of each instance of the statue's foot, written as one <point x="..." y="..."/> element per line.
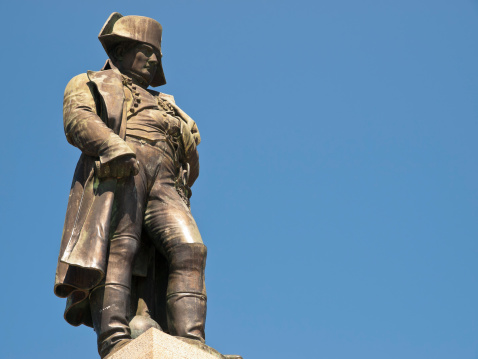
<point x="117" y="347"/>
<point x="141" y="324"/>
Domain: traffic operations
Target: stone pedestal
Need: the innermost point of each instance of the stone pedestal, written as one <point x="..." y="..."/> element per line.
<point x="154" y="344"/>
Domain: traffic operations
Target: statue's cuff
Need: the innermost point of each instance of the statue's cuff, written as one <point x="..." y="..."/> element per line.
<point x="114" y="148"/>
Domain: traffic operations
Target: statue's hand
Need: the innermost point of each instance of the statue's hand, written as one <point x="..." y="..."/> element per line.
<point x="118" y="168"/>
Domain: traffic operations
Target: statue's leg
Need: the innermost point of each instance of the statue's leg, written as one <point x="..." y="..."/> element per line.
<point x="110" y="302"/>
<point x="186" y="294"/>
<point x="174" y="232"/>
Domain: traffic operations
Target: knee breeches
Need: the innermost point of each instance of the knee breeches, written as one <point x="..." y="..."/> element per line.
<point x="151" y="201"/>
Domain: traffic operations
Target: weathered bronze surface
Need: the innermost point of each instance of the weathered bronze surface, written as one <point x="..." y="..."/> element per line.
<point x="131" y="255"/>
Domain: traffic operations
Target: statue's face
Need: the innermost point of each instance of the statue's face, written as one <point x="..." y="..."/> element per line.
<point x="140" y="62"/>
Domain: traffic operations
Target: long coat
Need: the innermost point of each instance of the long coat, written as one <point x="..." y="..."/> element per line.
<point x="94" y="116"/>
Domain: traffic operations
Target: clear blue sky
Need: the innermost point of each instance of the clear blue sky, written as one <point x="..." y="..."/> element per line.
<point x="338" y="188"/>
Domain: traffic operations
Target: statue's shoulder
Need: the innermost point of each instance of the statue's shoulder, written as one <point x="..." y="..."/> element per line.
<point x="107" y="76"/>
<point x="94" y="76"/>
<point x="109" y="81"/>
<point x="78" y="80"/>
<point x="78" y="84"/>
<point x="162" y="95"/>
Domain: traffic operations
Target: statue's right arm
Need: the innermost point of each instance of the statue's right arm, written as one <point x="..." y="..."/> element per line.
<point x="84" y="128"/>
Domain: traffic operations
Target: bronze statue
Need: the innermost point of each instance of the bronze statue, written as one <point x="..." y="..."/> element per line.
<point x="131" y="255"/>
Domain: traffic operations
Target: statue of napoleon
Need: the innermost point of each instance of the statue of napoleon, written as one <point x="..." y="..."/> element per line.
<point x="131" y="256"/>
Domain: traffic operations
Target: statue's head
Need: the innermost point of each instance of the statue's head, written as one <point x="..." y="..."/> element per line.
<point x="133" y="43"/>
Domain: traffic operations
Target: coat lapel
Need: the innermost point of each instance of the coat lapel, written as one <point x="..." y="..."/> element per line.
<point x="110" y="87"/>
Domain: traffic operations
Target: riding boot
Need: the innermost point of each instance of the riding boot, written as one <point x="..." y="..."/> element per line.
<point x="186" y="294"/>
<point x="187" y="315"/>
<point x="111" y="303"/>
<point x="110" y="307"/>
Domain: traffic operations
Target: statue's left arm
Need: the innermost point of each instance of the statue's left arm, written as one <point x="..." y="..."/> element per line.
<point x="191" y="139"/>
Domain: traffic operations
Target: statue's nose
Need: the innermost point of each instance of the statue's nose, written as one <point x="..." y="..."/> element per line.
<point x="153" y="59"/>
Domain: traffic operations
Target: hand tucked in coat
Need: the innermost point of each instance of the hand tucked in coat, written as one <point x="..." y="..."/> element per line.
<point x="120" y="167"/>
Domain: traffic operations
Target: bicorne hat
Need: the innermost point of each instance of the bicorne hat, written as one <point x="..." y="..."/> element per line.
<point x="119" y="28"/>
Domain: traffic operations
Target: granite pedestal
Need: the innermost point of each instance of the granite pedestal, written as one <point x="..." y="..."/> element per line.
<point x="154" y="344"/>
